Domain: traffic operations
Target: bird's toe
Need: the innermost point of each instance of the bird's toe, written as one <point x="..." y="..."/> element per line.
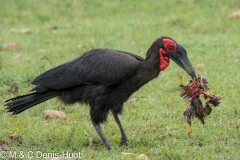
<point x="124" y="141"/>
<point x="107" y="146"/>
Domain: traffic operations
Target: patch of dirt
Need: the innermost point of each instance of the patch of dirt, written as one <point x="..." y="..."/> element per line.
<point x="200" y="66"/>
<point x="11" y="46"/>
<point x="96" y="145"/>
<point x="53" y="114"/>
<point x="25" y="31"/>
<point x="4" y="145"/>
<point x="234" y="15"/>
<point x="15" y="137"/>
<point x="14" y="87"/>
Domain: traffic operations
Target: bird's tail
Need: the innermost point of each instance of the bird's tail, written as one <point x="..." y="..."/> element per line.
<point x="21" y="103"/>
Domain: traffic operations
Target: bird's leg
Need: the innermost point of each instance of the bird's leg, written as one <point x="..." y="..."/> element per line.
<point x="101" y="134"/>
<point x="180" y="77"/>
<point x="124" y="139"/>
<point x="189" y="131"/>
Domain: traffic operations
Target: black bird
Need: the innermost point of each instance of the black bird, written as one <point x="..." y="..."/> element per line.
<point x="103" y="79"/>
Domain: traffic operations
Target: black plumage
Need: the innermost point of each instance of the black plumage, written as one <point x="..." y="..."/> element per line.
<point x="102" y="78"/>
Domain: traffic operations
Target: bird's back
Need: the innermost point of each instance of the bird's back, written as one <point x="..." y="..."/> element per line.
<point x="98" y="66"/>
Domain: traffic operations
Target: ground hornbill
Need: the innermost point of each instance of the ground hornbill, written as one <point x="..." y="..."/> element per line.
<point x="103" y="79"/>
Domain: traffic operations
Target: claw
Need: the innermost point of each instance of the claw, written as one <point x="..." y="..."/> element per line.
<point x="180" y="77"/>
<point x="189" y="131"/>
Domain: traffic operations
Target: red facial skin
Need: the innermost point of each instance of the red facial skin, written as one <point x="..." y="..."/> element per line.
<point x="169" y="45"/>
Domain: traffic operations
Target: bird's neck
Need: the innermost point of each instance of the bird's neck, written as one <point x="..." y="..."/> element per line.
<point x="157" y="57"/>
<point x="152" y="59"/>
<point x="149" y="70"/>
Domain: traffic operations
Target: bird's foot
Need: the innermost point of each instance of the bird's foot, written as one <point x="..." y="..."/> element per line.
<point x="189" y="131"/>
<point x="124" y="141"/>
<point x="107" y="146"/>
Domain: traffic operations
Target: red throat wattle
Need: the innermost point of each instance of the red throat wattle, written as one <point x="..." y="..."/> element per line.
<point x="164" y="60"/>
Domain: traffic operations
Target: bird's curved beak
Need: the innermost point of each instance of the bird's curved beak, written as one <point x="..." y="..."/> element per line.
<point x="180" y="57"/>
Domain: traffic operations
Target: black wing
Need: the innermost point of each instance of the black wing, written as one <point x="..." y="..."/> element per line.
<point x="98" y="66"/>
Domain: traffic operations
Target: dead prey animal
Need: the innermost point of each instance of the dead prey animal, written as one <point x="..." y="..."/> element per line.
<point x="191" y="92"/>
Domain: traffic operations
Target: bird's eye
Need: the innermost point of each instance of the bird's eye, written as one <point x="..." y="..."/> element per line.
<point x="171" y="46"/>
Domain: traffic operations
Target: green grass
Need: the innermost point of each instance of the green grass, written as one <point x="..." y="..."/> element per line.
<point x="154" y="122"/>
